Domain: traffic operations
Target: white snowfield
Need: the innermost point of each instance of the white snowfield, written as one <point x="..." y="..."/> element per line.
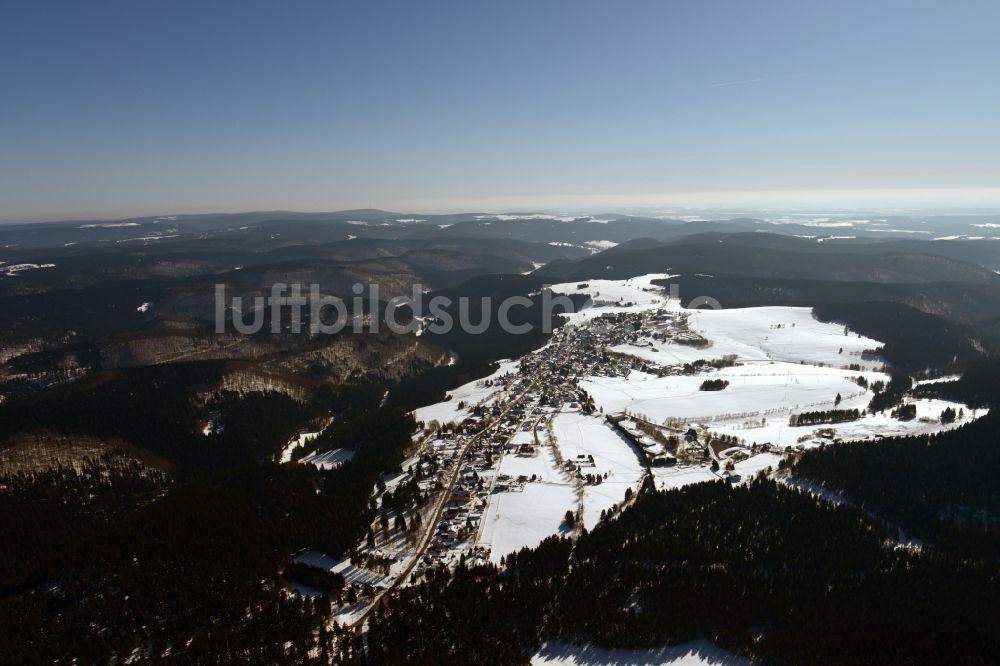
<point x="776" y="333"/>
<point x="329" y="459"/>
<point x="523" y="518"/>
<point x="695" y="653"/>
<point x="869" y="426"/>
<point x="471" y="394"/>
<point x="581" y="435"/>
<point x="949" y="378"/>
<point x="357" y="577"/>
<point x="542" y="465"/>
<point x="13" y="270"/>
<point x="609" y="296"/>
<point x="753" y="391"/>
<point x="787" y="363"/>
<point x="761" y="335"/>
<point x="301" y="439"/>
<point x="671" y="478"/>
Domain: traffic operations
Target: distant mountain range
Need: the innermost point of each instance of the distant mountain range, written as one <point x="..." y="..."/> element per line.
<point x="290" y="227"/>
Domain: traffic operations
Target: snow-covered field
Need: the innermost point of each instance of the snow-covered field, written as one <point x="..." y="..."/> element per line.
<point x="581" y="435"/>
<point x="329" y="459"/>
<point x="541" y="465"/>
<point x="869" y="426"/>
<point x="776" y="333"/>
<point x="14" y="269"/>
<point x="523" y="518"/>
<point x="695" y="653"/>
<point x="761" y="335"/>
<point x="756" y="406"/>
<point x="353" y="576"/>
<point x="753" y="390"/>
<point x="535" y="510"/>
<point x="670" y="478"/>
<point x="633" y="295"/>
<point x="471" y="393"/>
<point x="301" y="439"/>
<point x="787" y="363"/>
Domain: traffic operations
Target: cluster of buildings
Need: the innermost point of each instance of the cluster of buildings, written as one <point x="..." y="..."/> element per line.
<point x="462" y="458"/>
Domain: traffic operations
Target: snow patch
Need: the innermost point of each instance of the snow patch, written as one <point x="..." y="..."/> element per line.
<point x="329" y="459"/>
<point x="13" y="269"/>
<point x="695" y="653"/>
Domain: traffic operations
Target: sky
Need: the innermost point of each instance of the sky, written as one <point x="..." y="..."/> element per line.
<point x="111" y="109"/>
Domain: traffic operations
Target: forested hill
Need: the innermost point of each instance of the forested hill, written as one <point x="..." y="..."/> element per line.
<point x="764" y="571"/>
<point x="901" y="567"/>
<point x="786" y="258"/>
<point x="915" y="342"/>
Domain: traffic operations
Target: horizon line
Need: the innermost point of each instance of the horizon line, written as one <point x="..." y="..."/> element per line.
<point x="848" y="200"/>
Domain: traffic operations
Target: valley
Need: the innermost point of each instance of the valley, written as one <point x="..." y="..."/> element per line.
<point x="367" y="494"/>
<point x="562" y="333"/>
<point x="566" y="436"/>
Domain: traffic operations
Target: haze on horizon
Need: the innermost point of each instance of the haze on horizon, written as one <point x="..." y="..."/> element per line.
<point x="128" y="108"/>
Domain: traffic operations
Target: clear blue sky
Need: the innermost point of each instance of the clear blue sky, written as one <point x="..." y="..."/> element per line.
<point x="120" y="108"/>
